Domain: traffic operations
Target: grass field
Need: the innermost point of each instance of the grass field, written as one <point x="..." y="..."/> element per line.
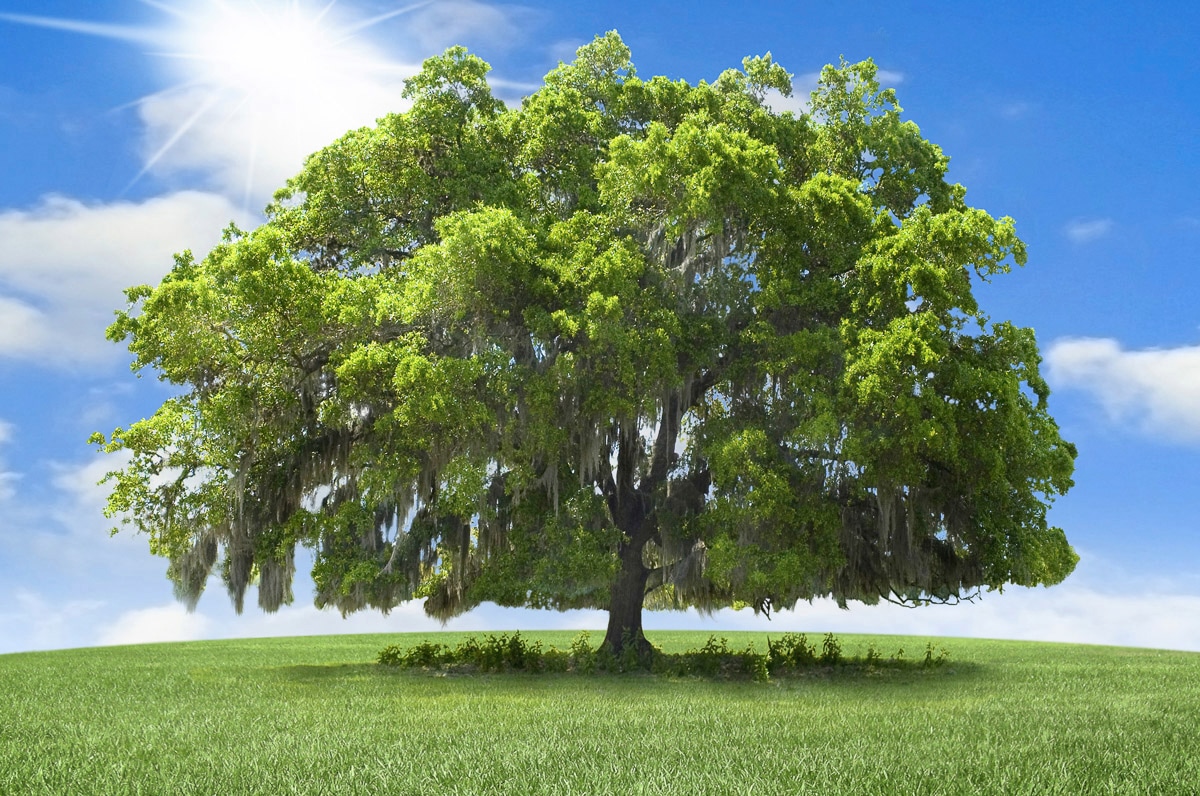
<point x="316" y="715"/>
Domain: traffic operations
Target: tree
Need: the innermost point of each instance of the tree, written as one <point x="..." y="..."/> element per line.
<point x="634" y="343"/>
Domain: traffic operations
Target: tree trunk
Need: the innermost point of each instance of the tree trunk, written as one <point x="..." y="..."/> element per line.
<point x="625" y="605"/>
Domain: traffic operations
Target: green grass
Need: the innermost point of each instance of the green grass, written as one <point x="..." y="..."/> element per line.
<point x="316" y="715"/>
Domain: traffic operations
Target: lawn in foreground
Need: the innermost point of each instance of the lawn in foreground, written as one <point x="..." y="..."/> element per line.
<point x="317" y="715"/>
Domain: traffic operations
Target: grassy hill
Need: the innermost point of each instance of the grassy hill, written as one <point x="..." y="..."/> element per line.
<point x="317" y="715"/>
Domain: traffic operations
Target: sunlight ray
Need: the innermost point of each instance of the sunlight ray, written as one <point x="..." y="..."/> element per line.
<point x="321" y="14"/>
<point x="251" y="160"/>
<point x="179" y="133"/>
<point x="178" y="88"/>
<point x="357" y="27"/>
<point x="105" y="30"/>
<point x="166" y="9"/>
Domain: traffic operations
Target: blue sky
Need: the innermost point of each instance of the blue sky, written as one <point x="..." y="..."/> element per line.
<point x="131" y="129"/>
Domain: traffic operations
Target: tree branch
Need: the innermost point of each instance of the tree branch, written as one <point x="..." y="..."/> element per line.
<point x="664" y="443"/>
<point x="608" y="484"/>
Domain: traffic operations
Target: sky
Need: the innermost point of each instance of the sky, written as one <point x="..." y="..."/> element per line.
<point x="134" y="129"/>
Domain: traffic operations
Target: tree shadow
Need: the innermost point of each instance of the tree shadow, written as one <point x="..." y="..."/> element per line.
<point x="882" y="678"/>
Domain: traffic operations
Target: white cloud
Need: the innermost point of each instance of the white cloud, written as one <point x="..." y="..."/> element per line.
<point x="169" y="622"/>
<point x="68" y="574"/>
<point x="71" y="535"/>
<point x="797" y="103"/>
<point x="1082" y="230"/>
<point x="1065" y="613"/>
<point x="305" y="619"/>
<point x="1073" y="612"/>
<point x="24" y="330"/>
<point x="444" y="24"/>
<point x="216" y="619"/>
<point x="1099" y="604"/>
<point x="29" y="621"/>
<point x="7" y="479"/>
<point x="80" y="483"/>
<point x="247" y="149"/>
<point x="887" y="78"/>
<point x="64" y="264"/>
<point x="1158" y="390"/>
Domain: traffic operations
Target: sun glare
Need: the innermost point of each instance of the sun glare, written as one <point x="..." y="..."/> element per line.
<point x="259" y="53"/>
<point x="272" y="52"/>
<point x="255" y="84"/>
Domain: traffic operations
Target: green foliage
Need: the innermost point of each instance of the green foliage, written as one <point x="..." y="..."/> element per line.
<point x="423" y="655"/>
<point x="716" y="660"/>
<point x="633" y="331"/>
<point x="790" y="654"/>
<point x="831" y="650"/>
<point x="581" y="654"/>
<point x="791" y="650"/>
<point x="492" y="654"/>
<point x="934" y="657"/>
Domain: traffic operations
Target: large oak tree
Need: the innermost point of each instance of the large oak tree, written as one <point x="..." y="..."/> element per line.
<point x="636" y="343"/>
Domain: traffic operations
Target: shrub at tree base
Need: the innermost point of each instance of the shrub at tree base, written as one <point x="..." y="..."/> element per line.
<point x="634" y="343"/>
<point x="789" y="655"/>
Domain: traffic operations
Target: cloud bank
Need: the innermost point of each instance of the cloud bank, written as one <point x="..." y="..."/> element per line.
<point x="64" y="265"/>
<point x="1155" y="390"/>
<point x="1068" y="613"/>
<point x="169" y="622"/>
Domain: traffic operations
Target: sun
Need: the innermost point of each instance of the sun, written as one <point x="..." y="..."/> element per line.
<point x="262" y="52"/>
<point x="276" y="50"/>
<point x="253" y="85"/>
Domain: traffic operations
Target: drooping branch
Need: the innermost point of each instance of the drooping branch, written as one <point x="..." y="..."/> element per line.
<point x="608" y="483"/>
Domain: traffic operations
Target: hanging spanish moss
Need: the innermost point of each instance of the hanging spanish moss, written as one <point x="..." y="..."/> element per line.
<point x="275" y="581"/>
<point x="190" y="571"/>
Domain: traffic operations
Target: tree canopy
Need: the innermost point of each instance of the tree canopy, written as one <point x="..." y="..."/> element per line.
<point x="633" y="343"/>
